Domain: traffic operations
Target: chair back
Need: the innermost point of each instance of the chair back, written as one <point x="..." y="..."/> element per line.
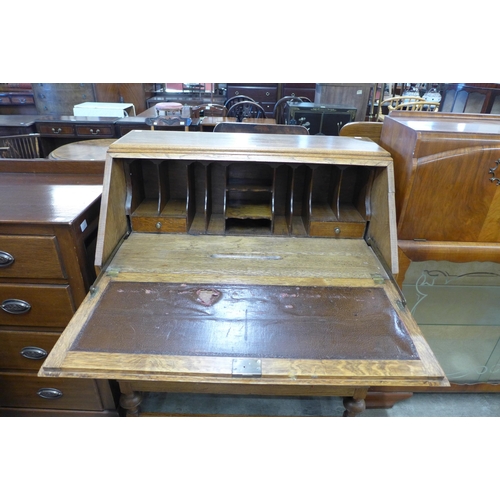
<point x="168" y="123"/>
<point x="370" y="130"/>
<point x="394" y="102"/>
<point x="260" y="128"/>
<point x="279" y="107"/>
<point x="237" y="98"/>
<point x="208" y="110"/>
<point x="419" y="106"/>
<point x="20" y="146"/>
<point x="246" y="109"/>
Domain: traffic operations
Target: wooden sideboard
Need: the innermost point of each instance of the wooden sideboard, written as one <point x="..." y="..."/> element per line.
<point x="447" y="193"/>
<point x="48" y="228"/>
<point x="246" y="264"/>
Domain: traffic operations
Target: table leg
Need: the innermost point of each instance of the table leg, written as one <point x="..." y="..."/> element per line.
<point x="130" y="400"/>
<point x="353" y="406"/>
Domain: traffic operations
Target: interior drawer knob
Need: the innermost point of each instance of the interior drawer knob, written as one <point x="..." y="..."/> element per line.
<point x="49" y="393"/>
<point x="6" y="259"/>
<point x="15" y="306"/>
<point x="31" y="352"/>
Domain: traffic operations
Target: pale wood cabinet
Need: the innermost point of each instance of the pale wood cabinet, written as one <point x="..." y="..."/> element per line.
<point x="447" y="188"/>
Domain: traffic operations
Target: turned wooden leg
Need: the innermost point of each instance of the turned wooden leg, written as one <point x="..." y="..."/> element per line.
<point x="130" y="400"/>
<point x="353" y="406"/>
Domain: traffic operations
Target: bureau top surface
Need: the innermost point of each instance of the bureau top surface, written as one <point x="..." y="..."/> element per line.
<point x="261" y="147"/>
<point x="455" y="123"/>
<point x="44" y="198"/>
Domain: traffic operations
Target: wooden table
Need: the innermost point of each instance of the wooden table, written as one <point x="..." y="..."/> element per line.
<point x="92" y="149"/>
<point x="250" y="292"/>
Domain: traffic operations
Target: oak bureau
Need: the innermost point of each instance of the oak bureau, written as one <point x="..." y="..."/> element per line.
<point x="246" y="264"/>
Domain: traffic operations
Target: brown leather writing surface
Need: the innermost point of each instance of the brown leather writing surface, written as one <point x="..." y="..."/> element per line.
<point x="246" y="321"/>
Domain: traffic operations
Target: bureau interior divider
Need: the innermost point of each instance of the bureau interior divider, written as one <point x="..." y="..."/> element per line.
<point x="252" y="198"/>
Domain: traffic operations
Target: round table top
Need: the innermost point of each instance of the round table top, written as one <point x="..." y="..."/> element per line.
<point x="92" y="149"/>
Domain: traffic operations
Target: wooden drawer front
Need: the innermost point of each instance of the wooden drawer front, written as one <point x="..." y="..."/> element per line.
<point x="48" y="305"/>
<point x="300" y="92"/>
<point x="259" y="94"/>
<point x="25" y="350"/>
<point x="269" y="107"/>
<point x="59" y="129"/>
<point x="30" y="257"/>
<point x="4" y="100"/>
<point x="22" y="99"/>
<point x="30" y="391"/>
<point x="94" y="131"/>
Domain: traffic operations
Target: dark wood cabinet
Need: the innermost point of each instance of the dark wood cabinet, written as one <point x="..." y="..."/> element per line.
<point x="48" y="228"/>
<point x="267" y="94"/>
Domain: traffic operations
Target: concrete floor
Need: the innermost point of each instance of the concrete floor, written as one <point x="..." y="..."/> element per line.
<point x="420" y="405"/>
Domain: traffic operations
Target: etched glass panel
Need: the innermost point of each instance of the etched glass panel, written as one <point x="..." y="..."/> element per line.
<point x="456" y="307"/>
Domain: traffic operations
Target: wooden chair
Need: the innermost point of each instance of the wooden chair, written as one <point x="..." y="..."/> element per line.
<point x="393" y="102"/>
<point x="237" y="98"/>
<point x="419" y="106"/>
<point x="279" y="107"/>
<point x="208" y="110"/>
<point x="246" y="109"/>
<point x="25" y="146"/>
<point x="260" y="128"/>
<point x="169" y="123"/>
<point x="370" y="130"/>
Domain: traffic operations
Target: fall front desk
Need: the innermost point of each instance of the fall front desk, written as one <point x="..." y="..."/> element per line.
<point x="246" y="264"/>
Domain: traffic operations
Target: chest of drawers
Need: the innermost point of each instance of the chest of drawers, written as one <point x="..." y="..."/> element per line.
<point x="48" y="228"/>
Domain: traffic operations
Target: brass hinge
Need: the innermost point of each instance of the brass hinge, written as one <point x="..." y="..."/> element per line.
<point x="377" y="278"/>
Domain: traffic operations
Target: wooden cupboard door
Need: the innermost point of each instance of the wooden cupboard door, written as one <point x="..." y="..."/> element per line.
<point x="454" y="196"/>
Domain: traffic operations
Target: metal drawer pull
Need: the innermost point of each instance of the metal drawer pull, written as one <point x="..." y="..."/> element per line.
<point x="6" y="259"/>
<point x="15" y="306"/>
<point x="57" y="131"/>
<point x="492" y="171"/>
<point x="95" y="132"/>
<point x="33" y="352"/>
<point x="49" y="393"/>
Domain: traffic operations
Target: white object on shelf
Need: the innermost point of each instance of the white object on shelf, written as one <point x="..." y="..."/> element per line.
<point x="111" y="109"/>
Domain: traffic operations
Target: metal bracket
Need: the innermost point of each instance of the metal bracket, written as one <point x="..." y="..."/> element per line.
<point x="377" y="278"/>
<point x="247" y="367"/>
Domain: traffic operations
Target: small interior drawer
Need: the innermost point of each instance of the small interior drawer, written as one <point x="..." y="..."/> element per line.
<point x="33" y="257"/>
<point x="30" y="391"/>
<point x="35" y="305"/>
<point x="25" y="350"/>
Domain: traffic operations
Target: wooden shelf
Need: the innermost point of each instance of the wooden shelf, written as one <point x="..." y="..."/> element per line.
<point x="249" y="211"/>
